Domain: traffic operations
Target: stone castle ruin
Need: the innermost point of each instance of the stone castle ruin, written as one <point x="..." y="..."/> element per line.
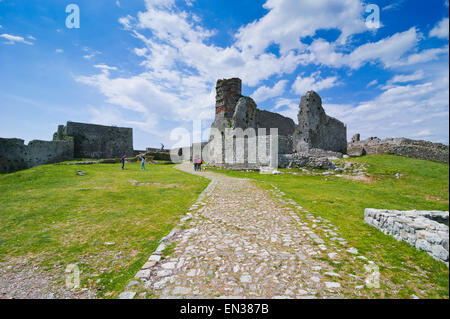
<point x="245" y="130"/>
<point x="316" y="130"/>
<point x="398" y="146"/>
<point x="74" y="140"/>
<point x="249" y="131"/>
<point x="97" y="141"/>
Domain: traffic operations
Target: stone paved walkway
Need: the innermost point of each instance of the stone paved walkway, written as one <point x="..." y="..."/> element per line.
<point x="242" y="241"/>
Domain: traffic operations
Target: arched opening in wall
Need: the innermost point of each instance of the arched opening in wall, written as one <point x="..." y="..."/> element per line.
<point x="180" y="152"/>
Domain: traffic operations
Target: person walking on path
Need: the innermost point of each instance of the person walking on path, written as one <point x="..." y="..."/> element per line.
<point x="123" y="162"/>
<point x="142" y="162"/>
<point x="195" y="164"/>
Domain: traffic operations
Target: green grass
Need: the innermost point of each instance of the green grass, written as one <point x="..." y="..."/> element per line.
<point x="52" y="217"/>
<point x="424" y="185"/>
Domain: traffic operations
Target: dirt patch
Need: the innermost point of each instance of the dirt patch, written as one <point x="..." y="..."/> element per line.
<point x="436" y="198"/>
<point x="157" y="185"/>
<point x="362" y="178"/>
<point x="23" y="280"/>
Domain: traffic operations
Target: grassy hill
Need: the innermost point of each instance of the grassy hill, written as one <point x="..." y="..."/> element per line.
<point x="108" y="221"/>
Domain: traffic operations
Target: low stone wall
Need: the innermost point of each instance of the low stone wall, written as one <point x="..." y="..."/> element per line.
<point x="400" y="146"/>
<point x="418" y="228"/>
<point x="15" y="155"/>
<point x="299" y="160"/>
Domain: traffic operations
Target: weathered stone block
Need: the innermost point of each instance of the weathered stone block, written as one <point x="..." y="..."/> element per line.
<point x="417" y="228"/>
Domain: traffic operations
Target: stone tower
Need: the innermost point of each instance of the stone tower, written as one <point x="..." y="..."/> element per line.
<point x="316" y="130"/>
<point x="228" y="93"/>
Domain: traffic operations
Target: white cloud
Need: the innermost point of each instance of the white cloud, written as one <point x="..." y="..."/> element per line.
<point x="127" y="22"/>
<point x="105" y="67"/>
<point x="393" y="6"/>
<point x="264" y="93"/>
<point x="402" y="110"/>
<point x="313" y="82"/>
<point x="388" y="51"/>
<point x="402" y="78"/>
<point x="59" y="50"/>
<point x="181" y="63"/>
<point x="91" y="53"/>
<point x="12" y="39"/>
<point x="372" y="83"/>
<point x="289" y="20"/>
<point x="440" y="30"/>
<point x="397" y="50"/>
<point x="118" y="3"/>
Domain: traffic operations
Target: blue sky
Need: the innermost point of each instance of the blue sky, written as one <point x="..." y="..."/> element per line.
<point x="152" y="64"/>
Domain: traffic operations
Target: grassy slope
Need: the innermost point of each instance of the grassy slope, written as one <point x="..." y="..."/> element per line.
<point x="53" y="217"/>
<point x="423" y="186"/>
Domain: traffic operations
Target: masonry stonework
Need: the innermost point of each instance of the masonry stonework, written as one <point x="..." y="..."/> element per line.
<point x="98" y="141"/>
<point x="15" y="155"/>
<point x="75" y="140"/>
<point x="399" y="146"/>
<point x="237" y="112"/>
<point x="316" y="130"/>
<point x="425" y="230"/>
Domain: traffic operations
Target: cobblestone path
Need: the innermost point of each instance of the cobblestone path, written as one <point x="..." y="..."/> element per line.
<point x="242" y="241"/>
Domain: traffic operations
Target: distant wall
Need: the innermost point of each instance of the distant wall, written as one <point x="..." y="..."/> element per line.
<point x="15" y="155"/>
<point x="400" y="146"/>
<point x="98" y="141"/>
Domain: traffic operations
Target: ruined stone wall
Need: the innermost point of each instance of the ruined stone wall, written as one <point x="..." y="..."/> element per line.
<point x="236" y="111"/>
<point x="98" y="141"/>
<point x="400" y="146"/>
<point x="228" y="92"/>
<point x="285" y="125"/>
<point x="419" y="229"/>
<point x="15" y="155"/>
<point x="316" y="129"/>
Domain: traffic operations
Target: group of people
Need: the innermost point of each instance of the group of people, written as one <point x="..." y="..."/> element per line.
<point x="197" y="164"/>
<point x="141" y="157"/>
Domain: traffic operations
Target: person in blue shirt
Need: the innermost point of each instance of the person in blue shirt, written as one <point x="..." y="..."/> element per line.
<point x="142" y="162"/>
<point x="123" y="162"/>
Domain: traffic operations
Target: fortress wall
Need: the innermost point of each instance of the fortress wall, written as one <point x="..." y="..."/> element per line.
<point x="98" y="141"/>
<point x="15" y="155"/>
<point x="400" y="146"/>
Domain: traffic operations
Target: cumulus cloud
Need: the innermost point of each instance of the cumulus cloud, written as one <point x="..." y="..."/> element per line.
<point x="105" y="67"/>
<point x="181" y="63"/>
<point x="402" y="109"/>
<point x="313" y="82"/>
<point x="13" y="39"/>
<point x="440" y="30"/>
<point x="402" y="78"/>
<point x="264" y="93"/>
<point x="289" y="21"/>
